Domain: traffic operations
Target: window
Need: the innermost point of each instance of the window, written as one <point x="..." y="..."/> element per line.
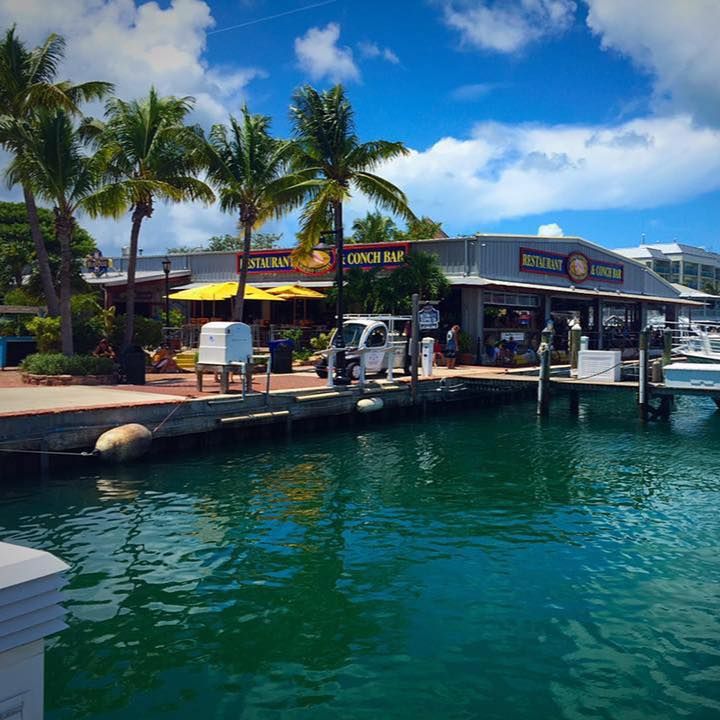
<point x="512" y="299"/>
<point x="377" y="337"/>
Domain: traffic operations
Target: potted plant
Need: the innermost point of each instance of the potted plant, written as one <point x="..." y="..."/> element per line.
<point x="466" y="355"/>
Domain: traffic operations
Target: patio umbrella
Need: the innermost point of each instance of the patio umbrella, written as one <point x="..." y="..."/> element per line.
<point x="295" y="292"/>
<point x="222" y="291"/>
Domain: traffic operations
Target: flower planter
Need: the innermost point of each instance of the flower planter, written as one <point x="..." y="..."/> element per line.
<point x="56" y="380"/>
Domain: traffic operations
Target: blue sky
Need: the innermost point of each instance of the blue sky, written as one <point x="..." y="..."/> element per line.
<point x="598" y="118"/>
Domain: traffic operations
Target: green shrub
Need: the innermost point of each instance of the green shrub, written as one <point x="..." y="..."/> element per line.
<point x="320" y="342"/>
<point x="294" y="334"/>
<point x="13" y="326"/>
<point x="59" y="364"/>
<point x="21" y="296"/>
<point x="177" y="318"/>
<point x="303" y="355"/>
<point x="47" y="333"/>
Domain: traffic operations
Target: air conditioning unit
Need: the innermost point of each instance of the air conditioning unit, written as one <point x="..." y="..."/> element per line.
<point x="600" y="365"/>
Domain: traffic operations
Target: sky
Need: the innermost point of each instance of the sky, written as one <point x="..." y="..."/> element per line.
<point x="597" y="118"/>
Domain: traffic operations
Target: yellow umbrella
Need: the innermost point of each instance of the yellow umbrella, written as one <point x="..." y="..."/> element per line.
<point x="222" y="291"/>
<point x="292" y="292"/>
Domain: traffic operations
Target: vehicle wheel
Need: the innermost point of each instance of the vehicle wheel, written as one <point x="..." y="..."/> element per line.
<point x="353" y="371"/>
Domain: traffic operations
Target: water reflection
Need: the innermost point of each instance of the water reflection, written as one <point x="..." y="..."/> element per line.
<point x="480" y="565"/>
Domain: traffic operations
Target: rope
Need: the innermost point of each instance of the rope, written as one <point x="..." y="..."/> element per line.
<point x="49" y="452"/>
<point x="600" y="372"/>
<point x="172" y="412"/>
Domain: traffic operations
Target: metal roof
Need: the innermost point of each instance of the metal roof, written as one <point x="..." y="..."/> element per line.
<point x="559" y="290"/>
<point x="111" y="279"/>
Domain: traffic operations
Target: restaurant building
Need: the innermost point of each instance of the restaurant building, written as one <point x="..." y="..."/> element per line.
<point x="505" y="288"/>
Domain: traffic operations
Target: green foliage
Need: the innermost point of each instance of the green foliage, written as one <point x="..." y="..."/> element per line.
<point x="49" y="363"/>
<point x="47" y="333"/>
<point x="17" y="251"/>
<point x="13" y="326"/>
<point x="294" y="334"/>
<point x="22" y="296"/>
<point x="328" y="154"/>
<point x="320" y="342"/>
<point x="465" y="342"/>
<point x="373" y="228"/>
<point x="303" y="355"/>
<point x="423" y="228"/>
<point x="177" y="318"/>
<point x="233" y="243"/>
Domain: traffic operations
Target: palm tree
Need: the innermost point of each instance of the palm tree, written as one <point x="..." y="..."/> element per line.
<point x="248" y="168"/>
<point x="26" y="87"/>
<point x="421" y="274"/>
<point x="373" y="228"/>
<point x="328" y="153"/>
<point x="149" y="154"/>
<point x="56" y="167"/>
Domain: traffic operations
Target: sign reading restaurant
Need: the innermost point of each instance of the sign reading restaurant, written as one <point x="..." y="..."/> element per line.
<point x="577" y="266"/>
<point x="377" y="255"/>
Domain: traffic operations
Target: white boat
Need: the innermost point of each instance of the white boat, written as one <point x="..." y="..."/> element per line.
<point x="699" y="347"/>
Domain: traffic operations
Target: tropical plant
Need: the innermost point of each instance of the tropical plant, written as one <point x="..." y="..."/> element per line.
<point x="46" y="331"/>
<point x="420" y="274"/>
<point x="18" y="255"/>
<point x="149" y="154"/>
<point x="55" y="165"/>
<point x="423" y="228"/>
<point x="49" y="363"/>
<point x="247" y="166"/>
<point x="259" y="241"/>
<point x="373" y="228"/>
<point x="361" y="291"/>
<point x="333" y="161"/>
<point x="27" y="87"/>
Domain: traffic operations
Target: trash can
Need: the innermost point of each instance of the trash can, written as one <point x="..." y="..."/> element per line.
<point x="281" y="355"/>
<point x="133" y="365"/>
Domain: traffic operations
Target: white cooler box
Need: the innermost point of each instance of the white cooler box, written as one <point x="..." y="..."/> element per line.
<point x="600" y="365"/>
<point x="222" y="343"/>
<point x="692" y="375"/>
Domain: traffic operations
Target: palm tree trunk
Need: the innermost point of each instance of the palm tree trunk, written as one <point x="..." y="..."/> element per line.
<point x="64" y="228"/>
<point x="339" y="281"/>
<point x="41" y="253"/>
<point x="240" y="296"/>
<point x="139" y="213"/>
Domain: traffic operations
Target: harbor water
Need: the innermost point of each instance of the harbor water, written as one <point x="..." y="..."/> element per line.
<point x="475" y="565"/>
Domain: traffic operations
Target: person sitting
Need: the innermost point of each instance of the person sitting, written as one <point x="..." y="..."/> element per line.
<point x="163" y="361"/>
<point x="104" y="349"/>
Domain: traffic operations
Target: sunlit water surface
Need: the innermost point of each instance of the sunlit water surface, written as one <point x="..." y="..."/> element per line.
<point x="479" y="565"/>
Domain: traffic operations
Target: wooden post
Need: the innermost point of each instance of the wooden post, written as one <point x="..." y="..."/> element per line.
<point x="667" y="347"/>
<point x="543" y="397"/>
<point x="414" y="346"/>
<point x="575" y="333"/>
<point x="643" y="375"/>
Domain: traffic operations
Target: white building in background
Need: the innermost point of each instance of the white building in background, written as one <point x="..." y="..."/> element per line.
<point x="692" y="270"/>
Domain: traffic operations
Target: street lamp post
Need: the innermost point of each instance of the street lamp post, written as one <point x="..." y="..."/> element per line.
<point x="166" y="265"/>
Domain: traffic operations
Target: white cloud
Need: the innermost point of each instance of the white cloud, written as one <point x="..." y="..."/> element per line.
<point x="136" y="46"/>
<point x="373" y="51"/>
<point x="675" y="41"/>
<point x="550" y="230"/>
<point x="469" y="93"/>
<point x="506" y="171"/>
<point x="319" y="55"/>
<point x="507" y="26"/>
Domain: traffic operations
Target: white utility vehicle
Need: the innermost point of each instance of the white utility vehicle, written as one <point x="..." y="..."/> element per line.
<point x="378" y="338"/>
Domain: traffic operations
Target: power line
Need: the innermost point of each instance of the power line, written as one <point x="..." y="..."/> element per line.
<point x="272" y="17"/>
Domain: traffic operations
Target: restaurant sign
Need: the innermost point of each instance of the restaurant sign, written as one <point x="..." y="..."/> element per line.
<point x="377" y="255"/>
<point x="577" y="266"/>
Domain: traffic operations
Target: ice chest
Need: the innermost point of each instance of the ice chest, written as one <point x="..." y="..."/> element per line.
<point x="222" y="343"/>
<point x="600" y="365"/>
<point x="692" y="375"/>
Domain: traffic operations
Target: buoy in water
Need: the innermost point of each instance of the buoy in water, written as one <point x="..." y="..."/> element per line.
<point x="368" y="405"/>
<point x="123" y="443"/>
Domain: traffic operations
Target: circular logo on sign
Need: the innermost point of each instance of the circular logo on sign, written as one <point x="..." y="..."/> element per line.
<point x="578" y="267"/>
<point x="315" y="263"/>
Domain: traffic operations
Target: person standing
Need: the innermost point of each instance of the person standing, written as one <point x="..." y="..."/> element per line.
<point x="452" y="346"/>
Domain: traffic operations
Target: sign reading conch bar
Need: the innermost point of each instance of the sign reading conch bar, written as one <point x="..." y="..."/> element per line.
<point x="378" y="255"/>
<point x="577" y="266"/>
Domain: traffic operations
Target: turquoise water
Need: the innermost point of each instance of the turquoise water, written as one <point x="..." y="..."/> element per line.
<point x="483" y="565"/>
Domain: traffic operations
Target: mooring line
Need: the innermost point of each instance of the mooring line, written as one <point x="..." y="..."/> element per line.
<point x="173" y="411"/>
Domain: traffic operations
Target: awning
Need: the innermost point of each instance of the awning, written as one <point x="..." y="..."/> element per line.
<point x="112" y="278"/>
<point x="296" y="292"/>
<point x="222" y="291"/>
<point x="558" y="290"/>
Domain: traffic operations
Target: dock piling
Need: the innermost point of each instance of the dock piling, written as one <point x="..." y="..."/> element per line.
<point x="667" y="347"/>
<point x="643" y="387"/>
<point x="543" y="396"/>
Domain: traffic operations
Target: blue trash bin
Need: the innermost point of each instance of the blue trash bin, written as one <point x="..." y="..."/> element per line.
<point x="281" y="355"/>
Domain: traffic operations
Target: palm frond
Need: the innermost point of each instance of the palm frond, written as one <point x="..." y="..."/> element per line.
<point x="384" y="194"/>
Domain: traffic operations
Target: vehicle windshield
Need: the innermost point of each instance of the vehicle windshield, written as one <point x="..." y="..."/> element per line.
<point x="352" y="332"/>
